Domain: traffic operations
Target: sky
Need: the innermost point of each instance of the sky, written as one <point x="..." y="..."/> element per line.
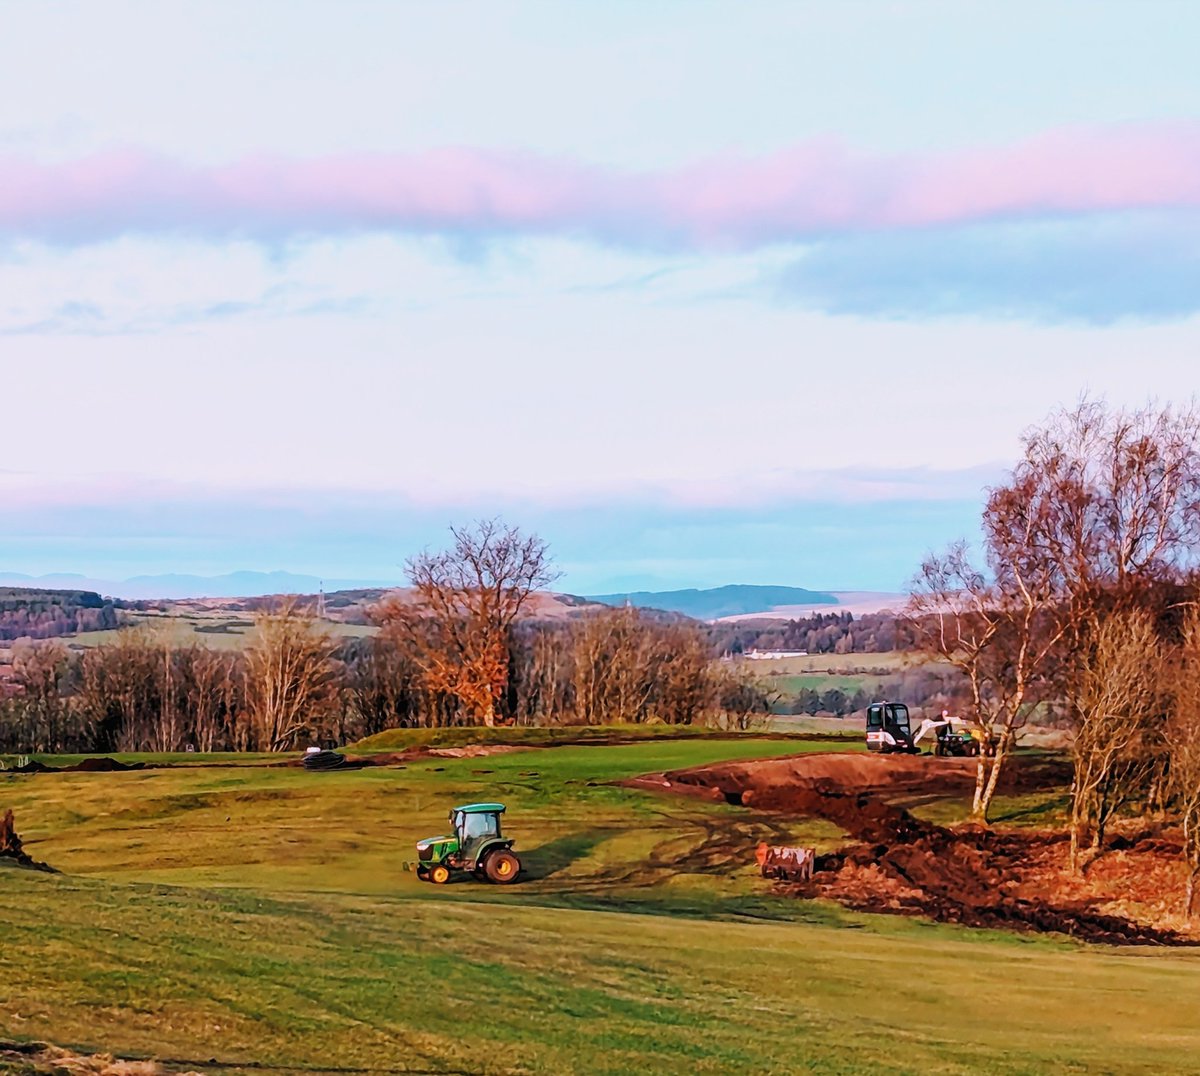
<point x="704" y="293"/>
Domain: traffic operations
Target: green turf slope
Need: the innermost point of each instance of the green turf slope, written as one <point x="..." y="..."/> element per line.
<point x="254" y="914"/>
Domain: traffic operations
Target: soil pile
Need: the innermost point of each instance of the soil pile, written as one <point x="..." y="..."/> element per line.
<point x="968" y="875"/>
<point x="88" y="765"/>
<point x="42" y="1057"/>
<point x="11" y="849"/>
<point x="103" y="765"/>
<point x="323" y="761"/>
<point x="899" y="863"/>
<point x="887" y="775"/>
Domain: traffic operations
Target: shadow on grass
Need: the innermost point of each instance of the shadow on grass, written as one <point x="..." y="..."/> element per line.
<point x="1053" y="807"/>
<point x="549" y="859"/>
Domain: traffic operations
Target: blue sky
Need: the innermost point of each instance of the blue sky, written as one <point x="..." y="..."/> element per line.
<point x="704" y="293"/>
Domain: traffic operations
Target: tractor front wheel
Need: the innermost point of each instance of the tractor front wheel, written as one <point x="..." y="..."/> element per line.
<point x="502" y="867"/>
<point x="440" y="874"/>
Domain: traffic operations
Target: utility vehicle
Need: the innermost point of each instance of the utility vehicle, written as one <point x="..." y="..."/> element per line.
<point x="476" y="846"/>
<point x="956" y="741"/>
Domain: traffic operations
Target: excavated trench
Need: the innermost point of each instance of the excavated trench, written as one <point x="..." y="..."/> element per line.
<point x="903" y="864"/>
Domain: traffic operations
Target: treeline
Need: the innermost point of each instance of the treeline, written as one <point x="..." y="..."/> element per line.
<point x="821" y="633"/>
<point x="931" y="688"/>
<point x="1089" y="609"/>
<point x="297" y="685"/>
<point x="27" y="613"/>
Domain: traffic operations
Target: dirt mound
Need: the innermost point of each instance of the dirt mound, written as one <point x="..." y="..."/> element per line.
<point x="324" y="761"/>
<point x="859" y="772"/>
<point x="88" y="765"/>
<point x="103" y="765"/>
<point x="11" y="849"/>
<point x="899" y="863"/>
<point x="42" y="1057"/>
<point x="970" y="875"/>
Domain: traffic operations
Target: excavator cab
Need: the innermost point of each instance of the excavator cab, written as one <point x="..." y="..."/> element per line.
<point x="889" y="728"/>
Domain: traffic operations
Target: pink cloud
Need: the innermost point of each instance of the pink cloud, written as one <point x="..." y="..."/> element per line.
<point x="812" y="189"/>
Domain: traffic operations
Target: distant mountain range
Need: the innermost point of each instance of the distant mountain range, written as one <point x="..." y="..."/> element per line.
<point x="232" y="585"/>
<point x="732" y="600"/>
<point x="741" y="601"/>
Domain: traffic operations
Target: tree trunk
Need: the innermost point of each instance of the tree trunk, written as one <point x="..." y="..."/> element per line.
<point x="989" y="791"/>
<point x="977" y="810"/>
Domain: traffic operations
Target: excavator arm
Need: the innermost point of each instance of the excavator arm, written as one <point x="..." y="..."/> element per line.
<point x="927" y="726"/>
<point x="931" y="723"/>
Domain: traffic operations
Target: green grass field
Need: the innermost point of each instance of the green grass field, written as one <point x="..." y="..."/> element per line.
<point x="257" y="914"/>
<point x="787" y="677"/>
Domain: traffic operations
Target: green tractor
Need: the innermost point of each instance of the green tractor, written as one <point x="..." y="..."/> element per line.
<point x="476" y="846"/>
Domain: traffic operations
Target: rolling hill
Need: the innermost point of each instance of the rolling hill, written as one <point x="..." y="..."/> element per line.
<point x="732" y="600"/>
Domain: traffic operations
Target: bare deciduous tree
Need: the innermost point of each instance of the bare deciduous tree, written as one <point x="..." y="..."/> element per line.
<point x="1001" y="639"/>
<point x="1103" y="505"/>
<point x="615" y="659"/>
<point x="469" y="596"/>
<point x="38" y="670"/>
<point x="1116" y="698"/>
<point x="1183" y="743"/>
<point x="290" y="680"/>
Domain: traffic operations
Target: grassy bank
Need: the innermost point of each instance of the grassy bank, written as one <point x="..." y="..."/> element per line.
<point x="262" y="914"/>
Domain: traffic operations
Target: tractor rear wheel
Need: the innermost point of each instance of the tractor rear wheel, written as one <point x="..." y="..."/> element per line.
<point x="440" y="874"/>
<point x="502" y="867"/>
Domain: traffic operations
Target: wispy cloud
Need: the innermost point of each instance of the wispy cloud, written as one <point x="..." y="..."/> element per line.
<point x="811" y="190"/>
<point x="1094" y="272"/>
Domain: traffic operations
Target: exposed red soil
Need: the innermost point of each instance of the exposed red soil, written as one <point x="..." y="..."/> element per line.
<point x="965" y="874"/>
<point x="890" y="775"/>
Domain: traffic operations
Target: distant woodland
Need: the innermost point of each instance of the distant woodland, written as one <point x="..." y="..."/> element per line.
<point x="624" y="664"/>
<point x="45" y="614"/>
<point x="461" y="654"/>
<point x="822" y="633"/>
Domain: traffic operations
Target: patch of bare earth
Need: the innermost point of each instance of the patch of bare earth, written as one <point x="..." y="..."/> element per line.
<point x="42" y="1057"/>
<point x="964" y="874"/>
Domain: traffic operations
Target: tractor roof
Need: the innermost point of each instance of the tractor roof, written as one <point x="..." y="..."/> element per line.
<point x="480" y="808"/>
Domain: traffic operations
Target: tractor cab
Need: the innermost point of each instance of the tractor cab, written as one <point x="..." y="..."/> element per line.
<point x="889" y="728"/>
<point x="475" y="825"/>
<point x="475" y="845"/>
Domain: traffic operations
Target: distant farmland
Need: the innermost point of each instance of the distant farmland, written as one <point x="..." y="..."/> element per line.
<point x="220" y="631"/>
